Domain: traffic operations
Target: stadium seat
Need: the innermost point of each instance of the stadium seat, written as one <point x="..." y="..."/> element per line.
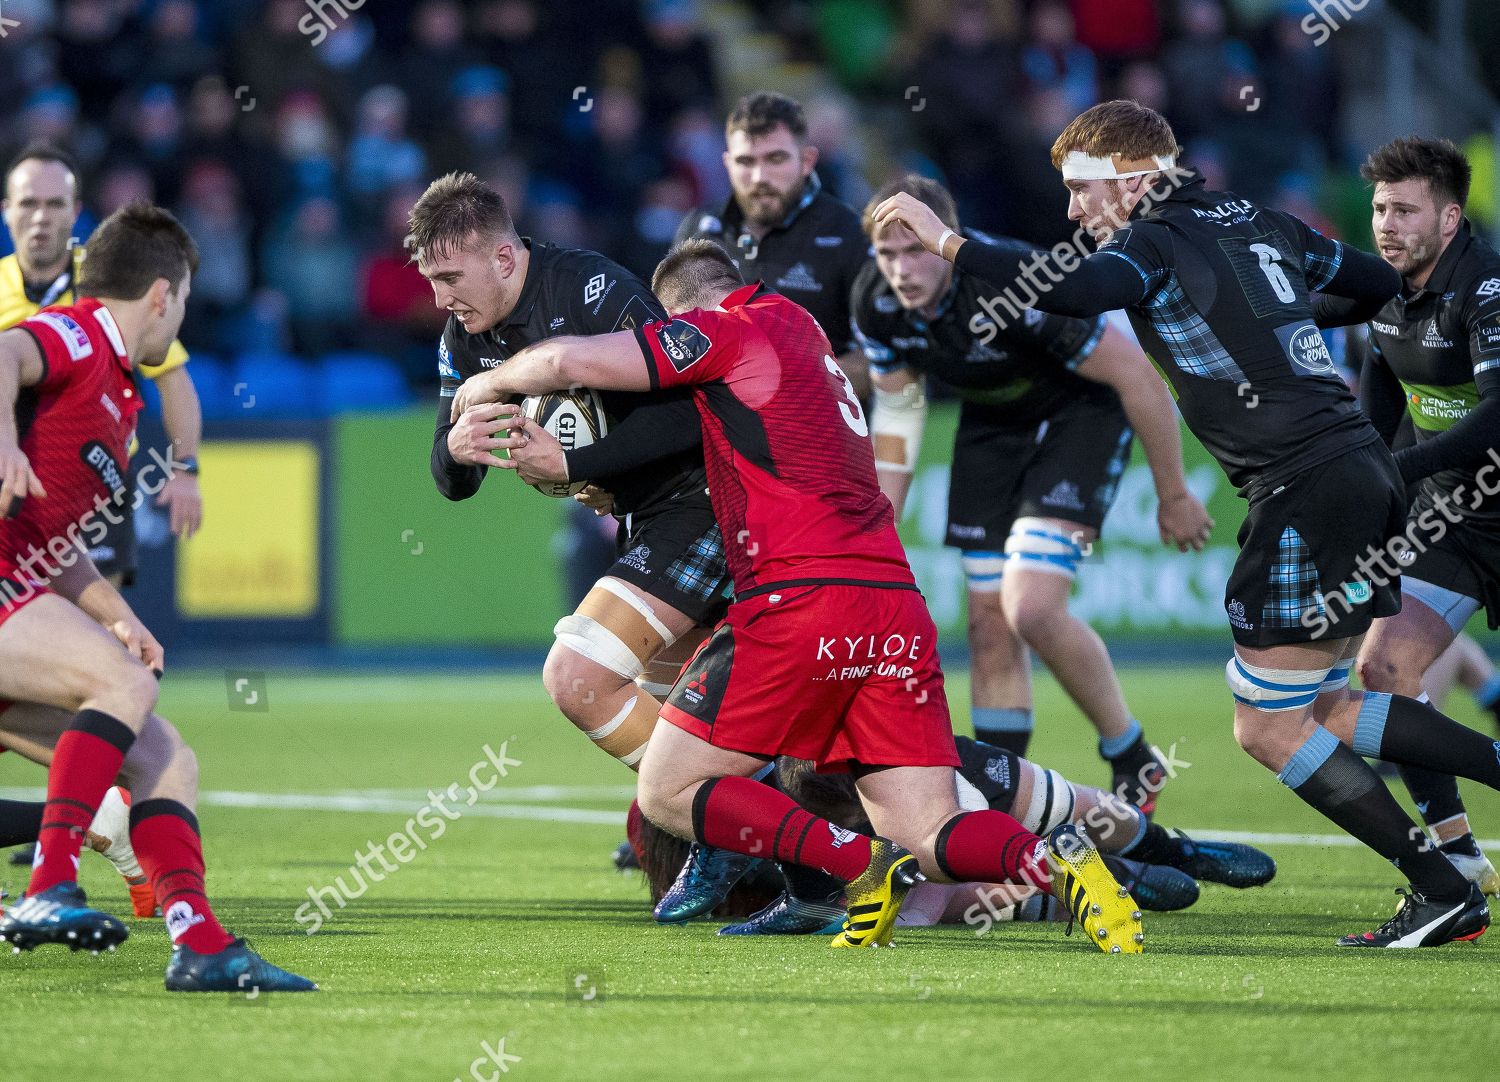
<point x="267" y="385"/>
<point x="360" y="381"/>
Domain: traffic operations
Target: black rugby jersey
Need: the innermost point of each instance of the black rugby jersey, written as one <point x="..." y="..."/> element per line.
<point x="570" y="291"/>
<point x="812" y="257"/>
<point x="1218" y="291"/>
<point x="1436" y="353"/>
<point x="1021" y="366"/>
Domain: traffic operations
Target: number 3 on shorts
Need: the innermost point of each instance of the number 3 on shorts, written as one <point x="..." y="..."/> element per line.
<point x="849" y="406"/>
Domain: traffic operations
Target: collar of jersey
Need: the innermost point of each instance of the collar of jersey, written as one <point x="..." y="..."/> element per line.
<point x="1442" y="274"/>
<point x="527" y="300"/>
<point x="1191" y="190"/>
<point x="744" y="295"/>
<point x="811" y="190"/>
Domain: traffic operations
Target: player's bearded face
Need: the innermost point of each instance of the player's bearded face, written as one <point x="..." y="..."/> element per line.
<point x="1407" y="223"/>
<point x="918" y="277"/>
<point x="768" y="173"/>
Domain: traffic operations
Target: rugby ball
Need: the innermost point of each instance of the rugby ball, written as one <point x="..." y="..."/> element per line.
<point x="574" y="419"/>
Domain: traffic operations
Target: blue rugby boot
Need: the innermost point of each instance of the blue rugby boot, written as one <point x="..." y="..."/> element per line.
<point x="788" y="915"/>
<point x="1155" y="887"/>
<point x="236" y="968"/>
<point x="707" y="877"/>
<point x="60" y="914"/>
<point x="1230" y="863"/>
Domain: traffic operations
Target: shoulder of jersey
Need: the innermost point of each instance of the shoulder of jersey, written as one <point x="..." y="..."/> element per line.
<point x="1483" y="279"/>
<point x="705" y="222"/>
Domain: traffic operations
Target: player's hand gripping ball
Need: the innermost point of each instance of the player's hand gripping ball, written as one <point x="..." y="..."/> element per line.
<point x="574" y="419"/>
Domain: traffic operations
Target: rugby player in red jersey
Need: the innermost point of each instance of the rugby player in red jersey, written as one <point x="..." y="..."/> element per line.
<point x="78" y="669"/>
<point x="828" y="652"/>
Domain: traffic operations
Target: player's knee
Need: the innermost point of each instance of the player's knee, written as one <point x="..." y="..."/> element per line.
<point x="1378" y="667"/>
<point x="575" y="684"/>
<point x="989" y="634"/>
<point x="665" y="806"/>
<point x="128" y="690"/>
<point x="1034" y="618"/>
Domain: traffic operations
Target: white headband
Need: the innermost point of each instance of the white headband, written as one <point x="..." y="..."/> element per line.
<point x="1080" y="166"/>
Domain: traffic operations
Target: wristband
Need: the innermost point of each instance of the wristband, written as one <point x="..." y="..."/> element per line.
<point x="943" y="241"/>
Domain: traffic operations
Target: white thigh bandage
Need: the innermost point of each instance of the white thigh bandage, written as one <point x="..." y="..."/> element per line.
<point x="589" y="638"/>
<point x="1051" y="800"/>
<point x="1274" y="689"/>
<point x="620" y="590"/>
<point x="1035" y="544"/>
<point x="1338" y="677"/>
<point x="983" y="571"/>
<point x="969" y="798"/>
<point x="896" y="421"/>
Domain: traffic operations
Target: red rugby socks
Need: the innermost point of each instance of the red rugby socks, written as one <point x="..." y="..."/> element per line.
<point x="165" y="836"/>
<point x="745" y="816"/>
<point x="85" y="763"/>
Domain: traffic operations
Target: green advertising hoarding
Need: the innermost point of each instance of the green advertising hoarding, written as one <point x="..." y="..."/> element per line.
<point x="1132" y="588"/>
<point x="414" y="568"/>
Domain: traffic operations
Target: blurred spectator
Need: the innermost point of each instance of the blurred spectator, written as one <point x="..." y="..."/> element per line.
<point x="175" y="50"/>
<point x="479" y="123"/>
<point x="213" y="211"/>
<point x="400" y="318"/>
<point x="313" y="263"/>
<point x="153" y="137"/>
<point x="964" y="87"/>
<point x="523" y="42"/>
<point x="272" y="57"/>
<point x="307" y="148"/>
<point x="614" y="163"/>
<point x="696" y="148"/>
<point x="99" y="52"/>
<point x="1301" y="87"/>
<point x="1196" y="65"/>
<point x="438" y="50"/>
<point x="381" y="154"/>
<point x="1143" y="81"/>
<point x="1053" y="58"/>
<point x="120" y="185"/>
<point x="1117" y="31"/>
<point x="679" y="59"/>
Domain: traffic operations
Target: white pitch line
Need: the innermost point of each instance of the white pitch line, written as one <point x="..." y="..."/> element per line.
<point x="395" y="800"/>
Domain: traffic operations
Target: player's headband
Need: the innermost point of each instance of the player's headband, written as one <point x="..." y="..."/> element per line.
<point x="1080" y="166"/>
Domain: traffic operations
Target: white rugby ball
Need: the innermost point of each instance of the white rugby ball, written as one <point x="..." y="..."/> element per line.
<point x="574" y="419"/>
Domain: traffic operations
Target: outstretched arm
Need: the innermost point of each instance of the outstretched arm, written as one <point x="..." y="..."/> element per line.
<point x="1066" y="286"/>
<point x="605" y="362"/>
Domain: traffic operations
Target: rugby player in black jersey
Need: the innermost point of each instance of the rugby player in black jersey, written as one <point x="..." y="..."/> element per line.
<point x="1219" y="292"/>
<point x="781" y="226"/>
<point x="1435" y="356"/>
<point x="617" y="655"/>
<point x="1045" y="430"/>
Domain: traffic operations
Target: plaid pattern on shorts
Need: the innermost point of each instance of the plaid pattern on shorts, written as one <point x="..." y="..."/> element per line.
<point x="1293" y="587"/>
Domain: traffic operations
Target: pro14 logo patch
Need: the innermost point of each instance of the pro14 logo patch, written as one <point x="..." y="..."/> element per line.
<point x="684" y="344"/>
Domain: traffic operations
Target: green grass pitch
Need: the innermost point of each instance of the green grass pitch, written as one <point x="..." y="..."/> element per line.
<point x="498" y="930"/>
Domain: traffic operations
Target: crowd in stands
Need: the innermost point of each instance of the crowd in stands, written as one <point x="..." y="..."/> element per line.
<point x="291" y="136"/>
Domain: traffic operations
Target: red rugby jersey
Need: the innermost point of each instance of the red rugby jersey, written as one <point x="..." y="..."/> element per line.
<point x="791" y="472"/>
<point x="75" y="427"/>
